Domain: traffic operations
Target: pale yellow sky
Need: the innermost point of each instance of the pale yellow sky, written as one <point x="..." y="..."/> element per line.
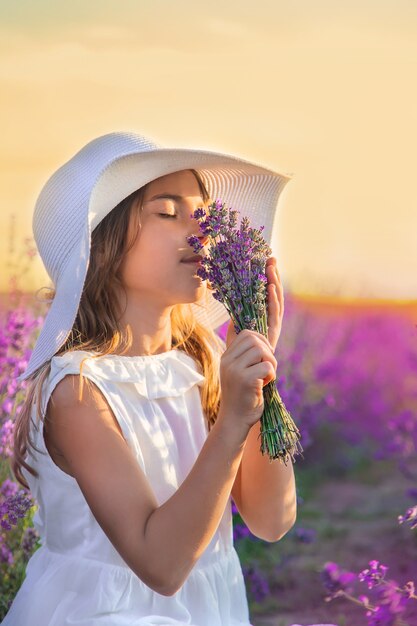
<point x="323" y="91"/>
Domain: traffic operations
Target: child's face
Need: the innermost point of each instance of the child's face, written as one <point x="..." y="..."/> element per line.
<point x="153" y="269"/>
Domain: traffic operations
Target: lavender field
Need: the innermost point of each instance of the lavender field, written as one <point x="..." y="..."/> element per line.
<point x="348" y="375"/>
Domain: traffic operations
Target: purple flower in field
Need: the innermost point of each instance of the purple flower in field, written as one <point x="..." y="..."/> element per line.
<point x="391" y="604"/>
<point x="13" y="508"/>
<point x="381" y="616"/>
<point x="6" y="555"/>
<point x="351" y="371"/>
<point x="258" y="584"/>
<point x="19" y="323"/>
<point x="409" y="589"/>
<point x="410" y="517"/>
<point x="305" y="535"/>
<point x="389" y="600"/>
<point x="240" y="531"/>
<point x="374" y="574"/>
<point x="8" y="488"/>
<point x="403" y="427"/>
<point x="364" y="600"/>
<point x="29" y="540"/>
<point x="14" y="353"/>
<point x="411" y="493"/>
<point x="7" y="406"/>
<point x="6" y="438"/>
<point x="335" y="579"/>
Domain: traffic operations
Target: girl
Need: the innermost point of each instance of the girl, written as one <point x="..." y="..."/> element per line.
<point x="139" y="425"/>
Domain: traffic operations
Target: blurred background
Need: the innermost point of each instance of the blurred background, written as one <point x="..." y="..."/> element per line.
<point x="324" y="91"/>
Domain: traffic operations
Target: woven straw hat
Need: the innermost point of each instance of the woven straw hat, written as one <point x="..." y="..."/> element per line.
<point x="89" y="185"/>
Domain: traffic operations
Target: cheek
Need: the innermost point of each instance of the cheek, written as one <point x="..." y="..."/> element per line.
<point x="150" y="263"/>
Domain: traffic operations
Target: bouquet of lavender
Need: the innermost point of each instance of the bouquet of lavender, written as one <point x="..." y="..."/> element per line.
<point x="235" y="271"/>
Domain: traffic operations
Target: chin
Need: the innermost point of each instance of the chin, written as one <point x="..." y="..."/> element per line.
<point x="197" y="293"/>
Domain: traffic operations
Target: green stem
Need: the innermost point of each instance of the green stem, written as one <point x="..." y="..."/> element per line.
<point x="279" y="434"/>
<point x="369" y="607"/>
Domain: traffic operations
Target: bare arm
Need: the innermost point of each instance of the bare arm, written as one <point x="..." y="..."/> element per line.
<point x="180" y="530"/>
<point x="265" y="492"/>
<point x="159" y="543"/>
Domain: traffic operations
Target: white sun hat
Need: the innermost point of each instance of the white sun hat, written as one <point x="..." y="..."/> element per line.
<point x="90" y="184"/>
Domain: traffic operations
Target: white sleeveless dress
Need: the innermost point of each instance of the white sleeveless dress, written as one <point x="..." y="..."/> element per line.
<point x="77" y="577"/>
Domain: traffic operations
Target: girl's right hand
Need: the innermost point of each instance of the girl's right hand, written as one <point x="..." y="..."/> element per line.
<point x="246" y="366"/>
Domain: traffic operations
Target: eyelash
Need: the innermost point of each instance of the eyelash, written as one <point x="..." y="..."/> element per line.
<point x="167" y="215"/>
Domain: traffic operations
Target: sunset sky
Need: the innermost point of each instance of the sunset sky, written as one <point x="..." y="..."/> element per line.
<point x="323" y="90"/>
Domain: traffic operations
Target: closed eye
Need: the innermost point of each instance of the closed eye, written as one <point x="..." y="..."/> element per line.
<point x="167" y="215"/>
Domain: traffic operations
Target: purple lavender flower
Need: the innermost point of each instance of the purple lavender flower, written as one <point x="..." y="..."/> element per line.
<point x="240" y="531"/>
<point x="13" y="508"/>
<point x="336" y="580"/>
<point x="411" y="493"/>
<point x="364" y="600"/>
<point x="410" y="517"/>
<point x="6" y="436"/>
<point x="305" y="535"/>
<point x="15" y="334"/>
<point x="6" y="555"/>
<point x="29" y="539"/>
<point x="258" y="584"/>
<point x="373" y="575"/>
<point x="8" y="488"/>
<point x="235" y="272"/>
<point x="409" y="589"/>
<point x="391" y="604"/>
<point x="390" y="600"/>
<point x="236" y="264"/>
<point x="235" y="510"/>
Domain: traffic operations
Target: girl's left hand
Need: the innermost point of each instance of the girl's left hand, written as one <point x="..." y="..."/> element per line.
<point x="275" y="305"/>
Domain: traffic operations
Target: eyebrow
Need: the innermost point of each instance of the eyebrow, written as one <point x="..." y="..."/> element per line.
<point x="170" y="196"/>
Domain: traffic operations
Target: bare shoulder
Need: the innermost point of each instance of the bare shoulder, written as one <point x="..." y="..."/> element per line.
<point x="77" y="402"/>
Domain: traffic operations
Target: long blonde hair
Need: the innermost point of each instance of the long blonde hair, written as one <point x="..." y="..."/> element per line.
<point x="97" y="328"/>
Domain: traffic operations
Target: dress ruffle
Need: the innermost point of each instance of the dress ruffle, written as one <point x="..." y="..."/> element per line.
<point x="92" y="593"/>
<point x="163" y="375"/>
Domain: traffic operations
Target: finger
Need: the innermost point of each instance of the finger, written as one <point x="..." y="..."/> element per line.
<point x="274" y="281"/>
<point x="264" y="339"/>
<point x="270" y="271"/>
<point x="279" y="290"/>
<point x="273" y="277"/>
<point x="247" y="333"/>
<point x="277" y="299"/>
<point x="274" y="317"/>
<point x="255" y="355"/>
<point x="279" y="281"/>
<point x="273" y="304"/>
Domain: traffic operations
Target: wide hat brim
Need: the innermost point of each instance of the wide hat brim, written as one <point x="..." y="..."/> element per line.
<point x="123" y="167"/>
